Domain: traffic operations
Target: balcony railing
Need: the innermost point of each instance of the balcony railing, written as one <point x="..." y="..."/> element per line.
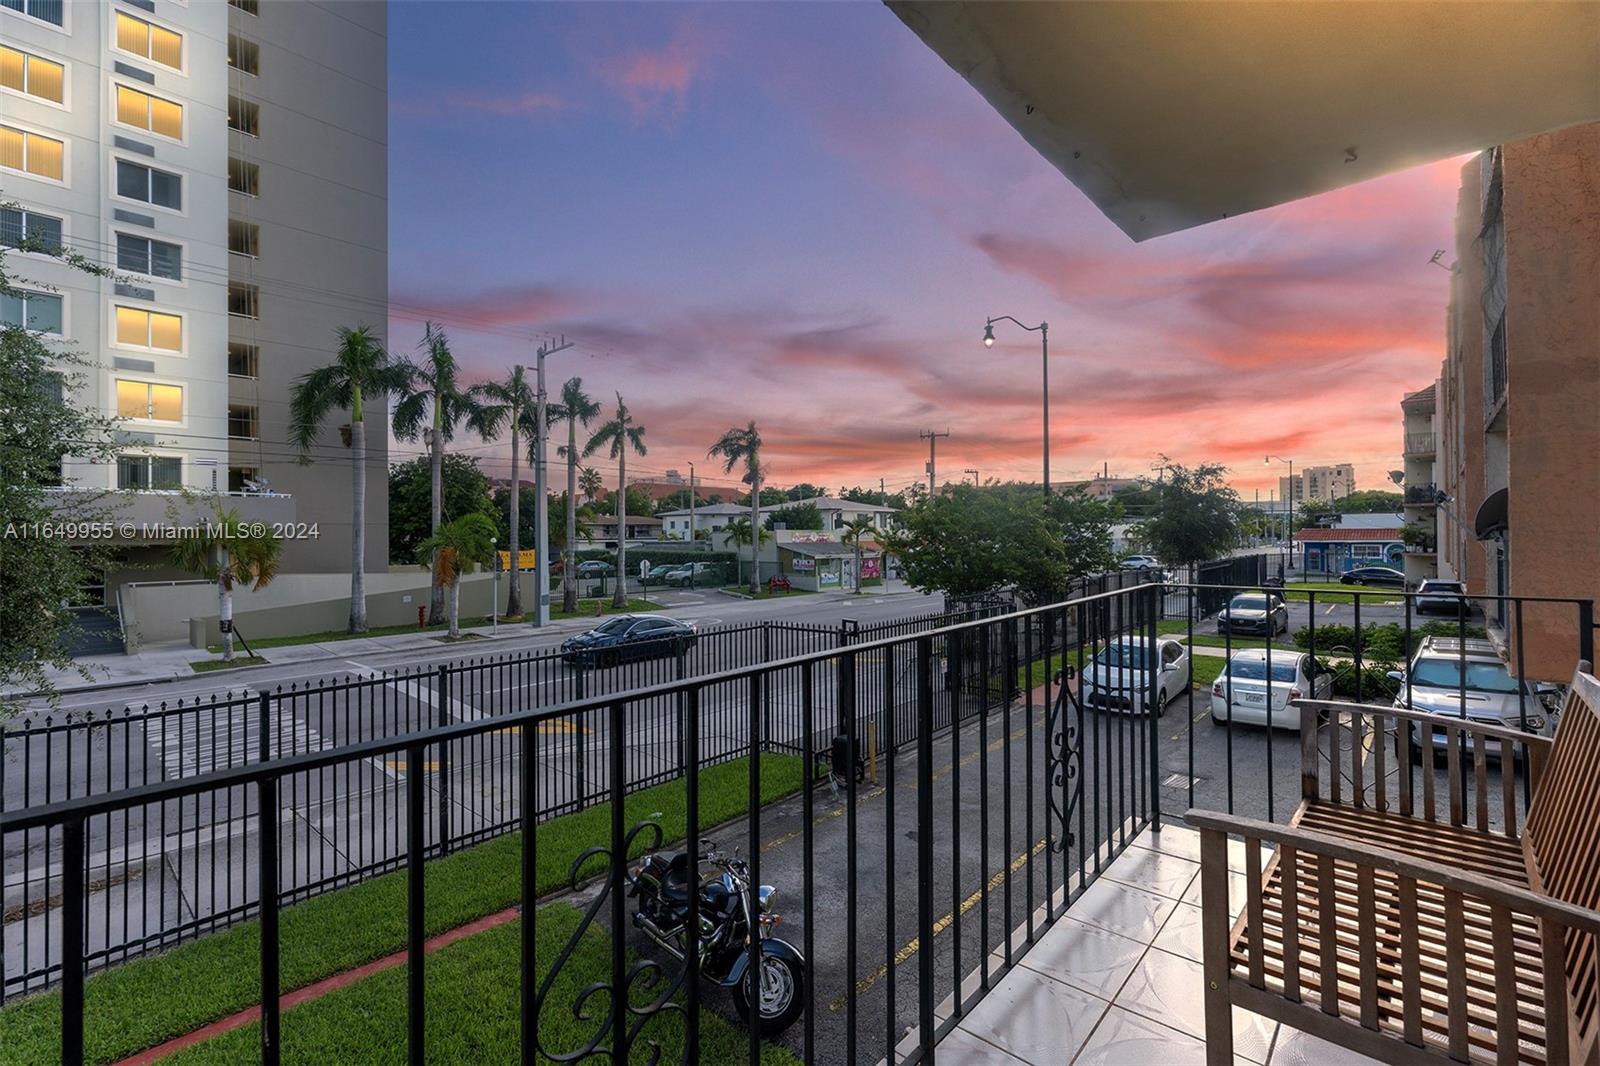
<point x="1419" y="444"/>
<point x="1422" y="494"/>
<point x="1012" y="764"/>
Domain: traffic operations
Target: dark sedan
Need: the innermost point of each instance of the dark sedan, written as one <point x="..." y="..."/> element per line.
<point x="628" y="637"/>
<point x="1387" y="576"/>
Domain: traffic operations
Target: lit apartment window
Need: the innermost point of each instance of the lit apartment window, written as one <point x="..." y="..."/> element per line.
<point x="244" y="177"/>
<point x="249" y="7"/>
<point x="244" y="116"/>
<point x="147" y="112"/>
<point x="244" y="300"/>
<point x="149" y="472"/>
<point x="244" y="360"/>
<point x="38" y="311"/>
<point x="42" y="232"/>
<point x="44" y="10"/>
<point x="244" y="238"/>
<point x="148" y="185"/>
<point x="149" y="401"/>
<point x="139" y="328"/>
<point x="31" y="153"/>
<point x="143" y="255"/>
<point x="31" y="74"/>
<point x="243" y="423"/>
<point x="243" y="55"/>
<point x="149" y="41"/>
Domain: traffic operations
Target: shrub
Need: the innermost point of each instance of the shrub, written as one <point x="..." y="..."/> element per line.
<point x="1379" y="640"/>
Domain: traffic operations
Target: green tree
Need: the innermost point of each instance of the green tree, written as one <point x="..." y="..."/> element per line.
<point x="227" y="552"/>
<point x="739" y="533"/>
<point x="466" y="490"/>
<point x="856" y="530"/>
<point x="361" y="371"/>
<point x="496" y="407"/>
<point x="857" y="494"/>
<point x="557" y="516"/>
<point x="744" y="446"/>
<point x="795" y="516"/>
<point x="41" y="577"/>
<point x="621" y="434"/>
<point x="804" y="491"/>
<point x="459" y="547"/>
<point x="592" y="484"/>
<point x="432" y="391"/>
<point x="1370" y="501"/>
<point x="1196" y="517"/>
<point x="576" y="408"/>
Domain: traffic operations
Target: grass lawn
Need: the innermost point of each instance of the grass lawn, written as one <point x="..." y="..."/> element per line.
<point x="1333" y="592"/>
<point x="587" y="608"/>
<point x="152" y="999"/>
<point x="1206" y="669"/>
<point x="205" y="666"/>
<point x="473" y="1009"/>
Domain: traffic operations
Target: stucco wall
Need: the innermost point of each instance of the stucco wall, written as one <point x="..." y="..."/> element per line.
<point x="1461" y="400"/>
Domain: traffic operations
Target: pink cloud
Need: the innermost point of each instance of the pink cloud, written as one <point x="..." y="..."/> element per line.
<point x="655" y="81"/>
<point x="508" y="306"/>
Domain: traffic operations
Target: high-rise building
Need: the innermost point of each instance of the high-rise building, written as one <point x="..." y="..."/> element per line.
<point x="1292" y="488"/>
<point x="229" y="162"/>
<point x="1328" y="483"/>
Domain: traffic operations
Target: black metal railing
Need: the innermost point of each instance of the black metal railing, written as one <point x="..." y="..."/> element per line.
<point x="1426" y="494"/>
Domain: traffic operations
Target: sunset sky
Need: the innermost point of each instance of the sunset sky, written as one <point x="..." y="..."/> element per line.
<point x="798" y="214"/>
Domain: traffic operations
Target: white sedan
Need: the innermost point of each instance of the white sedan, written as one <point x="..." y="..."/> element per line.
<point x="1243" y="692"/>
<point x="1120" y="676"/>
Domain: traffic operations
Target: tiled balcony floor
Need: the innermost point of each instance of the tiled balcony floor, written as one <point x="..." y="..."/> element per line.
<point x="1118" y="979"/>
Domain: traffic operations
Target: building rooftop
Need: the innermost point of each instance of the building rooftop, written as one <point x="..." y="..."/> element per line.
<point x="1422" y="398"/>
<point x="1343" y="535"/>
<point x="833" y="503"/>
<point x="706" y="508"/>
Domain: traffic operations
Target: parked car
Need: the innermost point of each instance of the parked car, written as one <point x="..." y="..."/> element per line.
<point x="1147" y="564"/>
<point x="687" y="575"/>
<point x="1254" y="612"/>
<point x="1243" y="691"/>
<point x="1467" y="679"/>
<point x="628" y="637"/>
<point x="1387" y="576"/>
<point x="1116" y="679"/>
<point x="594" y="568"/>
<point x="1436" y="596"/>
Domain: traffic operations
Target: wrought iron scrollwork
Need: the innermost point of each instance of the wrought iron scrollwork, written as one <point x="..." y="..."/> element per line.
<point x="1063" y="769"/>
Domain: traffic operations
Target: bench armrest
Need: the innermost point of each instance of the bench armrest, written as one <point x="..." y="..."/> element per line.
<point x="1466" y="725"/>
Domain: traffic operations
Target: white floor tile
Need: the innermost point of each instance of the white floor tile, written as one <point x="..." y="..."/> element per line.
<point x="1181" y="934"/>
<point x="961" y="1046"/>
<point x="1236" y="893"/>
<point x="1295" y="1048"/>
<point x="1154" y="871"/>
<point x="1036" y="1018"/>
<point x="1171" y="990"/>
<point x="1123" y="909"/>
<point x="1085" y="957"/>
<point x="1126" y="1039"/>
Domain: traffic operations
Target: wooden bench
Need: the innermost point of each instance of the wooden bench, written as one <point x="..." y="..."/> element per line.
<point x="1404" y="916"/>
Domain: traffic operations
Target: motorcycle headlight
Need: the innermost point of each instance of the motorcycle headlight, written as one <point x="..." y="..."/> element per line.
<point x="765" y="897"/>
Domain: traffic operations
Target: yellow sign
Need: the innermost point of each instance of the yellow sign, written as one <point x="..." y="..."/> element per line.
<point x="524" y="559"/>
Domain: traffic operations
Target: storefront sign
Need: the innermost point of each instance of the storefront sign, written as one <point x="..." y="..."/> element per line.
<point x="803" y="565"/>
<point x="828" y="577"/>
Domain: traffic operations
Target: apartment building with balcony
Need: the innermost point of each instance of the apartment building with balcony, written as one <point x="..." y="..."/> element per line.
<point x="1518" y="419"/>
<point x="228" y="161"/>
<point x="1328" y="483"/>
<point x="1418" y="448"/>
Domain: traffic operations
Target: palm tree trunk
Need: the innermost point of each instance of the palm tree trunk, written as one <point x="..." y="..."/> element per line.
<point x="225" y="615"/>
<point x="436" y="600"/>
<point x="514" y="600"/>
<point x="858" y="566"/>
<point x="755" y="525"/>
<point x="619" y="598"/>
<point x="358" y="510"/>
<point x="455" y="607"/>
<point x="569" y="551"/>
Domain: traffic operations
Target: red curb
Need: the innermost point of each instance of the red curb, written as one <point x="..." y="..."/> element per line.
<point x="315" y="990"/>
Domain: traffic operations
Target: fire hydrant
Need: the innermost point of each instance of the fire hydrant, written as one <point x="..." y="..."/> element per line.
<point x="422" y="618"/>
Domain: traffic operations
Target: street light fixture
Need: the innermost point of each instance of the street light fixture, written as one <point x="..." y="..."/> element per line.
<point x="1043" y="330"/>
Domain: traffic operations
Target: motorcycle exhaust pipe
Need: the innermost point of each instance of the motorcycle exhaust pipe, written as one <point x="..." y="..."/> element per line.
<point x="653" y="931"/>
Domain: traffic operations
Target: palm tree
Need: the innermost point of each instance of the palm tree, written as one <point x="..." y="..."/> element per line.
<point x="853" y="531"/>
<point x="225" y="553"/>
<point x="498" y="405"/>
<point x="431" y="387"/>
<point x="744" y="445"/>
<point x="576" y="407"/>
<point x="739" y="532"/>
<point x="590" y="481"/>
<point x="361" y="370"/>
<point x="458" y="548"/>
<point x="621" y="434"/>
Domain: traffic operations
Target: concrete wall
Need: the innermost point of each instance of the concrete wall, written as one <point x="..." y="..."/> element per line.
<point x="295" y="604"/>
<point x="1460" y="424"/>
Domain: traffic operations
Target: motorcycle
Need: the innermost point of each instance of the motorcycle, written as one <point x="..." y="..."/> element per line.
<point x="661" y="885"/>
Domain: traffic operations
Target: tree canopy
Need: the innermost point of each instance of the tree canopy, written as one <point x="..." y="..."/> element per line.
<point x="794" y="516"/>
<point x="1196" y="516"/>
<point x="466" y="491"/>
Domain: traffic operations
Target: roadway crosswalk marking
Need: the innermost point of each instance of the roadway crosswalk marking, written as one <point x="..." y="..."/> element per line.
<point x="413" y="688"/>
<point x="190" y="744"/>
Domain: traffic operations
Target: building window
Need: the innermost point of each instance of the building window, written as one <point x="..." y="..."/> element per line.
<point x="41" y="232"/>
<point x="244" y="301"/>
<point x="149" y="41"/>
<point x="149" y="401"/>
<point x="244" y="55"/>
<point x="50" y="11"/>
<point x="31" y="74"/>
<point x="146" y="112"/>
<point x="38" y="311"/>
<point x="244" y="177"/>
<point x="244" y="116"/>
<point x="143" y="255"/>
<point x="149" y="472"/>
<point x="31" y="153"/>
<point x="244" y="360"/>
<point x="242" y="479"/>
<point x="148" y="185"/>
<point x="242" y="422"/>
<point x="244" y="238"/>
<point x="249" y="7"/>
<point x="156" y="330"/>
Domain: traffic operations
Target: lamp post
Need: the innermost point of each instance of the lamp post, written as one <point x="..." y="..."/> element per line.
<point x="1288" y="496"/>
<point x="541" y="503"/>
<point x="1043" y="330"/>
<point x="494" y="603"/>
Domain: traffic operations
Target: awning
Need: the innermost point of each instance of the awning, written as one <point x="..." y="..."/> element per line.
<point x="1493" y="515"/>
<point x="1173" y="113"/>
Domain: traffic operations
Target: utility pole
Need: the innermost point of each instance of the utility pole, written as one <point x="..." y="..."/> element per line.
<point x="691" y="507"/>
<point x="541" y="507"/>
<point x="883" y="494"/>
<point x="974" y="472"/>
<point x="932" y="437"/>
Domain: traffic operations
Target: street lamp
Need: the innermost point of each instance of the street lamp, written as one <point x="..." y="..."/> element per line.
<point x="1288" y="496"/>
<point x="494" y="600"/>
<point x="1043" y="330"/>
<point x="541" y="492"/>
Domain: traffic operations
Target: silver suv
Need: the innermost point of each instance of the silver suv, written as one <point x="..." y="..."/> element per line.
<point x="1467" y="679"/>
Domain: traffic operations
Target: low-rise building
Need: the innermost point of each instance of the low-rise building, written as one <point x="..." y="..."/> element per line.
<point x="1418" y="448"/>
<point x="1358" y="540"/>
<point x="707" y="518"/>
<point x="836" y="512"/>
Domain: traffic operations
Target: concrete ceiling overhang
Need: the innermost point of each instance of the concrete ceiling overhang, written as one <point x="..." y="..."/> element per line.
<point x="1173" y="113"/>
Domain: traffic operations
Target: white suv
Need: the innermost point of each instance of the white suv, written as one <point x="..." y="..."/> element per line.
<point x="1467" y="679"/>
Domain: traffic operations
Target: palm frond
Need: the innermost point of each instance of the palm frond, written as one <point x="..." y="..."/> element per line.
<point x="312" y="397"/>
